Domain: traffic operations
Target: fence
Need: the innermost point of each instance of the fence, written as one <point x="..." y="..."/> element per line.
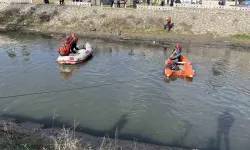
<point x="155" y="7"/>
<point x="203" y="6"/>
<point x="194" y="6"/>
<point x="16" y="1"/>
<point x="84" y="3"/>
<point x="215" y="3"/>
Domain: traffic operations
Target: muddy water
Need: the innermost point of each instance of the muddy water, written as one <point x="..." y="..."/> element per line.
<point x="123" y="87"/>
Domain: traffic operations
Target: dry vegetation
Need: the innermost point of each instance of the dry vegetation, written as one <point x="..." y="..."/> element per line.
<point x="12" y="137"/>
<point x="64" y="140"/>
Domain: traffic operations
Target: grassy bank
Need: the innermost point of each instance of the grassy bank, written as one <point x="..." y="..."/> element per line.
<point x="64" y="140"/>
<point x="15" y="141"/>
<point x="242" y="36"/>
<point x="115" y="24"/>
<point x="14" y="138"/>
<point x="16" y="135"/>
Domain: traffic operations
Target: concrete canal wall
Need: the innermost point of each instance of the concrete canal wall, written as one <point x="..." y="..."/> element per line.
<point x="189" y="21"/>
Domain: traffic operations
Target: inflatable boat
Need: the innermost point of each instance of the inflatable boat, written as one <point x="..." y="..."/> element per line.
<point x="82" y="54"/>
<point x="185" y="68"/>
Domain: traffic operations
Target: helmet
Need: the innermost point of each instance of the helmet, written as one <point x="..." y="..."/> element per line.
<point x="177" y="45"/>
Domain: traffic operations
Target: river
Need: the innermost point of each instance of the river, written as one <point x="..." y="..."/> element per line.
<point x="123" y="87"/>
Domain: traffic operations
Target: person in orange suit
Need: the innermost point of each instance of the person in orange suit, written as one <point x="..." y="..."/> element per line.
<point x="64" y="49"/>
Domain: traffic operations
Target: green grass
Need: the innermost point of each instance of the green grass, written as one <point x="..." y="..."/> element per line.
<point x="241" y="36"/>
<point x="145" y="31"/>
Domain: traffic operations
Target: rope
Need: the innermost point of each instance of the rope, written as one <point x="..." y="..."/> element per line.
<point x="70" y="89"/>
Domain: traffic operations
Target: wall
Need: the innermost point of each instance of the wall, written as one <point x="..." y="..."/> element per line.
<point x="99" y="19"/>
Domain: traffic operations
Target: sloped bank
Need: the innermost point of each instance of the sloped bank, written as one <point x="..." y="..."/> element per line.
<point x="199" y="25"/>
<point x="28" y="135"/>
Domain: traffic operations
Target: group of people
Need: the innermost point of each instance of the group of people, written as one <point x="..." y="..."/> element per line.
<point x="163" y="2"/>
<point x="61" y="1"/>
<point x="69" y="45"/>
<point x="174" y="59"/>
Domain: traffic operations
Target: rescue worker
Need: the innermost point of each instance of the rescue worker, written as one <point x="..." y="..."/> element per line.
<point x="63" y="50"/>
<point x="67" y="39"/>
<point x="169" y="24"/>
<point x="176" y="53"/>
<point x="172" y="65"/>
<point x="73" y="43"/>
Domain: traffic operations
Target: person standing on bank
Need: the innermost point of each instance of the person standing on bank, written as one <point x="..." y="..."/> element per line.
<point x="111" y="3"/>
<point x="162" y="2"/>
<point x="125" y="3"/>
<point x="61" y="2"/>
<point x="171" y="3"/>
<point x="118" y="3"/>
<point x="46" y="1"/>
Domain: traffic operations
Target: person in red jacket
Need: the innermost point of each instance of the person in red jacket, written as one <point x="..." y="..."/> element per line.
<point x="67" y="40"/>
<point x="169" y="24"/>
<point x="176" y="54"/>
<point x="73" y="44"/>
<point x="63" y="50"/>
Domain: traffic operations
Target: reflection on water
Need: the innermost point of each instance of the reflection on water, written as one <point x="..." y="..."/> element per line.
<point x="66" y="71"/>
<point x="11" y="54"/>
<point x="182" y="112"/>
<point x="225" y="122"/>
<point x="25" y="52"/>
<point x="14" y="49"/>
<point x="174" y="78"/>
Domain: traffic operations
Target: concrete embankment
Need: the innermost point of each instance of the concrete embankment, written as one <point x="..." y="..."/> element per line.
<point x="124" y="23"/>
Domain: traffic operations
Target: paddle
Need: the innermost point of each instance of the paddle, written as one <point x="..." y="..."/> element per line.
<point x="178" y="63"/>
<point x="181" y="63"/>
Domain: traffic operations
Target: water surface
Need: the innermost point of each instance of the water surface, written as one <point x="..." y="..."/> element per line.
<point x="123" y="86"/>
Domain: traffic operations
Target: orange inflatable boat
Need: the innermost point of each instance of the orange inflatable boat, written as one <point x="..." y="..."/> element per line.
<point x="185" y="68"/>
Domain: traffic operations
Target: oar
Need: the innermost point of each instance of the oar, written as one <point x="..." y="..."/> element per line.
<point x="181" y="63"/>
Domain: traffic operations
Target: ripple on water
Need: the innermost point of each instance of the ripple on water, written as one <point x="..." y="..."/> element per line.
<point x="164" y="111"/>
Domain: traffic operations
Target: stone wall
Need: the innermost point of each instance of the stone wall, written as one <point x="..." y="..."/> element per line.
<point x="100" y="19"/>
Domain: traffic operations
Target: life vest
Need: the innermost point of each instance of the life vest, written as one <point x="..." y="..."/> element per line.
<point x="177" y="51"/>
<point x="74" y="39"/>
<point x="169" y="22"/>
<point x="63" y="49"/>
<point x="68" y="41"/>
